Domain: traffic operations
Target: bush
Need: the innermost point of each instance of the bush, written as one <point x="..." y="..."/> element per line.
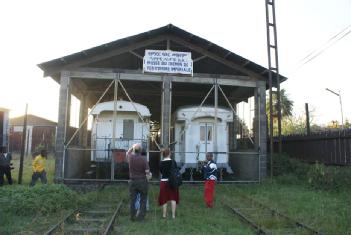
<point x="285" y="165"/>
<point x="319" y="176"/>
<point x="329" y="177"/>
<point x="41" y="199"/>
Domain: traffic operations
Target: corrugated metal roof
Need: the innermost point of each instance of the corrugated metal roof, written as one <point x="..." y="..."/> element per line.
<point x="54" y="66"/>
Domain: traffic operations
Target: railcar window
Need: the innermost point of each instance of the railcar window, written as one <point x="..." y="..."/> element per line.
<point x="202" y="133"/>
<point x="128" y="129"/>
<point x="209" y="133"/>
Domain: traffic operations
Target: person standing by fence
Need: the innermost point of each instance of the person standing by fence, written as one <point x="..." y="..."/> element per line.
<point x="5" y="166"/>
<point x="210" y="177"/>
<point x="139" y="173"/>
<point x="38" y="167"/>
<point x="167" y="193"/>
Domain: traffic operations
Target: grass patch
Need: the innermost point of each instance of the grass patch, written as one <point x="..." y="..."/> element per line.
<point x="43" y="199"/>
<point x="327" y="212"/>
<point x="192" y="217"/>
<point x="25" y="210"/>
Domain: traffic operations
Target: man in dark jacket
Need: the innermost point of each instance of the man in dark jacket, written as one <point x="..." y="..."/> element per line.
<point x="139" y="173"/>
<point x="5" y="165"/>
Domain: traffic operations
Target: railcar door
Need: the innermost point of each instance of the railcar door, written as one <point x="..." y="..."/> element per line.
<point x="206" y="139"/>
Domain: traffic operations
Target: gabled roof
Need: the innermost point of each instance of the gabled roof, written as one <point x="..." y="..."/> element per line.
<point x="122" y="106"/>
<point x="55" y="66"/>
<point x="32" y="120"/>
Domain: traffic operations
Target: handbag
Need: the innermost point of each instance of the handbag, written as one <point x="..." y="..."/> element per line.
<point x="175" y="178"/>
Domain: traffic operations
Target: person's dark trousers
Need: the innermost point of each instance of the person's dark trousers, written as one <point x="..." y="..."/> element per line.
<point x="2" y="172"/>
<point x="38" y="175"/>
<point x="7" y="171"/>
<point x="135" y="187"/>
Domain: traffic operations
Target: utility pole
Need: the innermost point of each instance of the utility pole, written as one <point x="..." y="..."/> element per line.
<point x="307" y="119"/>
<point x="342" y="114"/>
<point x="273" y="67"/>
<point x="24" y="132"/>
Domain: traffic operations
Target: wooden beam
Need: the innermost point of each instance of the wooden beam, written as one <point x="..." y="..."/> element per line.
<point x="230" y="80"/>
<point x="129" y="71"/>
<point x="225" y="82"/>
<point x="228" y="54"/>
<point x="136" y="54"/>
<point x="217" y="58"/>
<point x="246" y="63"/>
<point x="152" y="92"/>
<point x="199" y="58"/>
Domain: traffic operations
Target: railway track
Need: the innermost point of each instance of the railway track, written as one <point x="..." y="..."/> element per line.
<point x="265" y="220"/>
<point x="97" y="219"/>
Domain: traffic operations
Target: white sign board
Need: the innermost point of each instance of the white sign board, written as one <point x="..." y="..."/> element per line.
<point x="158" y="61"/>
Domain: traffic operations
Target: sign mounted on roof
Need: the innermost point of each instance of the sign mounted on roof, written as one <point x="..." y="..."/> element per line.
<point x="158" y="61"/>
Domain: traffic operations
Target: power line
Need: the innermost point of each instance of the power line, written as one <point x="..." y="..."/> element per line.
<point x="334" y="39"/>
<point x="320" y="52"/>
<point x="321" y="47"/>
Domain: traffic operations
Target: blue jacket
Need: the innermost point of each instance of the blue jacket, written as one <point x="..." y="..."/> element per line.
<point x="210" y="170"/>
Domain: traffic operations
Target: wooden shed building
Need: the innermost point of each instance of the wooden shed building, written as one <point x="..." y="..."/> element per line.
<point x="40" y="133"/>
<point x="114" y="71"/>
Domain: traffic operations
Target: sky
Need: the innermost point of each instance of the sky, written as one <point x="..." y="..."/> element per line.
<point x="34" y="31"/>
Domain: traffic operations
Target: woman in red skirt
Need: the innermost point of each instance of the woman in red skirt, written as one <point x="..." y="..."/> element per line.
<point x="166" y="192"/>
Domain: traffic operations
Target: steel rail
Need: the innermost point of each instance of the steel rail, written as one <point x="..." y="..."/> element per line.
<point x="257" y="227"/>
<point x="276" y="212"/>
<point x="109" y="227"/>
<point x="244" y="218"/>
<point x="53" y="229"/>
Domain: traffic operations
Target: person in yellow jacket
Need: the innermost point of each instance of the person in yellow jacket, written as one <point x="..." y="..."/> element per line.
<point x="38" y="167"/>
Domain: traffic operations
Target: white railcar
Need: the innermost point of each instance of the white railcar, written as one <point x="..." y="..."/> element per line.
<point x="194" y="136"/>
<point x="130" y="129"/>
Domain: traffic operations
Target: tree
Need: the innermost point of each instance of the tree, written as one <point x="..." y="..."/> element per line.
<point x="294" y="125"/>
<point x="286" y="110"/>
<point x="285" y="103"/>
<point x="334" y="124"/>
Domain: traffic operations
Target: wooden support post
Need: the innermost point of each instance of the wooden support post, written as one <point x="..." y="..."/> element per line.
<point x="83" y="113"/>
<point x="262" y="131"/>
<point x="24" y="135"/>
<point x="114" y="127"/>
<point x="256" y="120"/>
<point x="215" y="147"/>
<point x="166" y="111"/>
<point x="307" y="119"/>
<point x="62" y="125"/>
<point x="235" y="129"/>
